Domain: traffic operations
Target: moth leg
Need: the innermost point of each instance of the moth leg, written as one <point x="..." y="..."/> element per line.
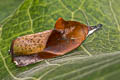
<point x="46" y="61"/>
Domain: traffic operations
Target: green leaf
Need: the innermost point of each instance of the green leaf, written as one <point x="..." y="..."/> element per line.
<point x="34" y="16"/>
<point x="7" y="7"/>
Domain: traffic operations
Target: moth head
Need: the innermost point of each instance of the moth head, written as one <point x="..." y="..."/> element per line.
<point x="92" y="29"/>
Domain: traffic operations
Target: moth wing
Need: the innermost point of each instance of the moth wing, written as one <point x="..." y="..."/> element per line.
<point x="30" y="44"/>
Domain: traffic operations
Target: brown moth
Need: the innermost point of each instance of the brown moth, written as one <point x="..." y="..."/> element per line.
<point x="66" y="36"/>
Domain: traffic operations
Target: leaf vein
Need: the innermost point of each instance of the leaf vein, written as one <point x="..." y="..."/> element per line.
<point x="29" y="15"/>
<point x="64" y="6"/>
<point x="114" y="15"/>
<point x="86" y="50"/>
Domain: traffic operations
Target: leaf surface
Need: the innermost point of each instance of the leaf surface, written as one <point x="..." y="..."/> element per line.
<point x="7" y="7"/>
<point x="34" y="16"/>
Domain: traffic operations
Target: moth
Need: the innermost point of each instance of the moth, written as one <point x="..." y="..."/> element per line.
<point x="65" y="37"/>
